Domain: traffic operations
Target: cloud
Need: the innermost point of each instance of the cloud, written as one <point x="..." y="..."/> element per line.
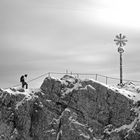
<point x="39" y="36"/>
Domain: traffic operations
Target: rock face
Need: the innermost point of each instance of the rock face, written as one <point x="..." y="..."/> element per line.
<point x="69" y="109"/>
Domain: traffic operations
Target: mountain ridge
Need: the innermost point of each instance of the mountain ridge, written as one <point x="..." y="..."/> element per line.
<point x="69" y="109"/>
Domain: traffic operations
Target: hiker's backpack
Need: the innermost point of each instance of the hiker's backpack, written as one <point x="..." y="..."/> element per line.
<point x="22" y="78"/>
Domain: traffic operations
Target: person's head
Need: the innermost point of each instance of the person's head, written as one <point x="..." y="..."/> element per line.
<point x="25" y="75"/>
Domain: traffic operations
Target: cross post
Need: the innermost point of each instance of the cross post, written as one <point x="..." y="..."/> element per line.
<point x="120" y="41"/>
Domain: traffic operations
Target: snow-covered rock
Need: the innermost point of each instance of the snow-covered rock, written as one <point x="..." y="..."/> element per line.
<point x="70" y="109"/>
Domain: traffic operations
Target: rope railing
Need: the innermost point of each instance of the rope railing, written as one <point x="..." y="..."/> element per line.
<point x="29" y="81"/>
<point x="97" y="75"/>
<point x="38" y="77"/>
<point x="78" y="75"/>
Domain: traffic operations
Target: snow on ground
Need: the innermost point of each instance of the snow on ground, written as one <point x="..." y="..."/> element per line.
<point x="131" y="95"/>
<point x="130" y="127"/>
<point x="28" y="94"/>
<point x="69" y="78"/>
<point x="69" y="90"/>
<point x="129" y="90"/>
<point x="85" y="135"/>
<point x="131" y="87"/>
<point x="133" y="124"/>
<point x="18" y="90"/>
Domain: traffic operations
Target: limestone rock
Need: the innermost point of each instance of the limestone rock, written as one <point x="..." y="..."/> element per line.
<point x="69" y="109"/>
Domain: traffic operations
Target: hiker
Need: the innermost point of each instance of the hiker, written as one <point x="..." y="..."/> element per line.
<point x="23" y="80"/>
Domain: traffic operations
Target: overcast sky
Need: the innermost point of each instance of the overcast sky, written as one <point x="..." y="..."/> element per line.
<point x="38" y="36"/>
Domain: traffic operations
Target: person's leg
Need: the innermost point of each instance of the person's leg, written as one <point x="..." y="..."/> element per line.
<point x="26" y="85"/>
<point x="22" y="84"/>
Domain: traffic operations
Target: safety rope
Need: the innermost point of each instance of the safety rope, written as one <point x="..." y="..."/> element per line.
<point x="29" y="81"/>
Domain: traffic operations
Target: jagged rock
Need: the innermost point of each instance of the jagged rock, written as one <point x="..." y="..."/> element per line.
<point x="69" y="109"/>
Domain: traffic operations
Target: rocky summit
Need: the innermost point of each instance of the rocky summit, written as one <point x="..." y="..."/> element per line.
<point x="70" y="109"/>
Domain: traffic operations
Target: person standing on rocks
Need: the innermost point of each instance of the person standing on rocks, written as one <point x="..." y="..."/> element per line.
<point x="23" y="80"/>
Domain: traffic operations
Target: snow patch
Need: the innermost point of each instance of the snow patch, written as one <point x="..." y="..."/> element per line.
<point x="131" y="95"/>
<point x="28" y="94"/>
<point x="69" y="90"/>
<point x="133" y="124"/>
<point x="85" y="136"/>
<point x="48" y="100"/>
<point x="130" y="91"/>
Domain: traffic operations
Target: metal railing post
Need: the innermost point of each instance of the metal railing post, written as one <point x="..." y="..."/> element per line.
<point x="106" y="79"/>
<point x="96" y="76"/>
<point x="77" y="76"/>
<point x="49" y="74"/>
<point x="66" y="71"/>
